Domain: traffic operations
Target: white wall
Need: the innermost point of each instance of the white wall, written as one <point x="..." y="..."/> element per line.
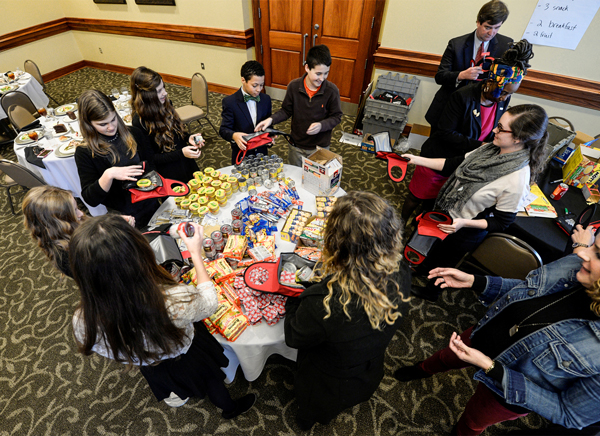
<point x="427" y="26"/>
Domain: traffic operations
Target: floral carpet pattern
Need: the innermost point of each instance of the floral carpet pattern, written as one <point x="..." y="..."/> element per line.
<point x="48" y="388"/>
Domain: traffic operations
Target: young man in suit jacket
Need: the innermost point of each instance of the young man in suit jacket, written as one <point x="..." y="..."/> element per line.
<point x="243" y="110"/>
<point x="457" y="67"/>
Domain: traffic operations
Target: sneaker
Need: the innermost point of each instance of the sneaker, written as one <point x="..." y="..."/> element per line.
<point x="242" y="405"/>
<point x="175" y="401"/>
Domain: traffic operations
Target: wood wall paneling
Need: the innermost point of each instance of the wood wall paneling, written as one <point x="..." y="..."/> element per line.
<point x="549" y="86"/>
<point x="284" y="66"/>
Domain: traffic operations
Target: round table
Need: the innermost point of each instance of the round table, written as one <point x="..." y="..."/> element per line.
<point x="28" y="85"/>
<point x="59" y="171"/>
<point x="253" y="347"/>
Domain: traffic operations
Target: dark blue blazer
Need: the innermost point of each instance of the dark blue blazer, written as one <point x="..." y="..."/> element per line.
<point x="236" y="118"/>
<point x="456" y="58"/>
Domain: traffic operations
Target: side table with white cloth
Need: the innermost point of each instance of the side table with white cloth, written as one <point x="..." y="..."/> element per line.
<point x="26" y="84"/>
<point x="254" y="346"/>
<point x="61" y="170"/>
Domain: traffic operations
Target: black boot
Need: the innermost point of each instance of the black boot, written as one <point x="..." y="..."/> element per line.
<point x="242" y="405"/>
<point x="408" y="373"/>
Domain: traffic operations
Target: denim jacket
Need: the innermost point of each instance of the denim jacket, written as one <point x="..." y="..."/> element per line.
<point x="554" y="371"/>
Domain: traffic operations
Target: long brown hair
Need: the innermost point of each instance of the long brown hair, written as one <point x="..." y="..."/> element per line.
<point x="122" y="291"/>
<point x="93" y="105"/>
<point x="161" y="120"/>
<point x="51" y="217"/>
<point x="530" y="125"/>
<point x="362" y="249"/>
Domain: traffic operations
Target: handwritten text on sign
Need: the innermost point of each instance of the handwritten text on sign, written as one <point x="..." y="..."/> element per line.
<point x="560" y="23"/>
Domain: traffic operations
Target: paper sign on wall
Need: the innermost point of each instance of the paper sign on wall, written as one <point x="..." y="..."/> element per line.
<point x="560" y="23"/>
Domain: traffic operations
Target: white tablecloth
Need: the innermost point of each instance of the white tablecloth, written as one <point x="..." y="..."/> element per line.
<point x="252" y="349"/>
<point x="31" y="87"/>
<point x="60" y="171"/>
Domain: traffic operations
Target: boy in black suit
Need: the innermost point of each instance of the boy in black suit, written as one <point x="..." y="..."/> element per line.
<point x="459" y="61"/>
<point x="243" y="110"/>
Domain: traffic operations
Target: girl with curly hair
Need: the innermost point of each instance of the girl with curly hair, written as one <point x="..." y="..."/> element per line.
<point x="174" y="150"/>
<point x="342" y="325"/>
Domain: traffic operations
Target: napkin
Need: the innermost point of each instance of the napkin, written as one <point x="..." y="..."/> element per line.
<point x="31" y="157"/>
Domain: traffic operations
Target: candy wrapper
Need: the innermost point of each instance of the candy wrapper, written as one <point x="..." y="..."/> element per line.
<point x="223" y="307"/>
<point x="310" y="253"/>
<point x="232" y="325"/>
<point x="236" y="247"/>
<point x="229" y="291"/>
<point x="260" y="254"/>
<point x="219" y="270"/>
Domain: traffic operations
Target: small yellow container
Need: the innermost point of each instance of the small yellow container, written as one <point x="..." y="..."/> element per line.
<point x="208" y="170"/>
<point x="178" y="200"/>
<point x="223" y="177"/>
<point x="193" y="197"/>
<point x="194" y="184"/>
<point x="216" y="184"/>
<point x="203" y="201"/>
<point x="206" y="181"/>
<point x="221" y="197"/>
<point x="198" y="175"/>
<point x="226" y="186"/>
<point x="201" y="191"/>
<point x="202" y="211"/>
<point x="210" y="193"/>
<point x="213" y="207"/>
<point x="185" y="204"/>
<point x="194" y="207"/>
<point x="215" y="174"/>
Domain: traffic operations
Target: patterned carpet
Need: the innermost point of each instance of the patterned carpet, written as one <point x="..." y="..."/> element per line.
<point x="47" y="388"/>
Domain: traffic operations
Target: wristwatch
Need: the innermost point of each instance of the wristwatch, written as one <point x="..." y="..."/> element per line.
<point x="579" y="244"/>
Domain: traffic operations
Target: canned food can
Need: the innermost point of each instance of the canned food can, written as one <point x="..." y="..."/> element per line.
<point x="217" y="238"/>
<point x="226" y="230"/>
<point x="237" y="226"/>
<point x="209" y="248"/>
<point x="236" y="213"/>
<point x="560" y="190"/>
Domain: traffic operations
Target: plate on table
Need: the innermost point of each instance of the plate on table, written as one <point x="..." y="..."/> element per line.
<point x="23" y="138"/>
<point x="68" y="149"/>
<point x="69" y="120"/>
<point x="7" y="88"/>
<point x="62" y="110"/>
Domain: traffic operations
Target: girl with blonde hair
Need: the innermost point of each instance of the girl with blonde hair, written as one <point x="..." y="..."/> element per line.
<point x="343" y="324"/>
<point x="174" y="150"/>
<point x="111" y="155"/>
<point x="51" y="215"/>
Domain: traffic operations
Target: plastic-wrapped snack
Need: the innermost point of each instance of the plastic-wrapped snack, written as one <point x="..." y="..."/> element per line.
<point x="190" y="277"/>
<point x="232" y="325"/>
<point x="210" y="326"/>
<point x="260" y="254"/>
<point x="219" y="270"/>
<point x="236" y="247"/>
<point x="268" y="242"/>
<point x="310" y="253"/>
<point x="230" y="292"/>
<point x="223" y="307"/>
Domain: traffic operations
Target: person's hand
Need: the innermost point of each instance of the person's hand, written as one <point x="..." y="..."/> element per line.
<point x="200" y="142"/>
<point x="238" y="137"/>
<point x="468" y="354"/>
<point x="193" y="244"/>
<point x="456" y="225"/>
<point x="470" y="73"/>
<point x="451" y="278"/>
<point x="314" y="128"/>
<point x="412" y="157"/>
<point x="191" y="152"/>
<point x="263" y="124"/>
<point x="583" y="236"/>
<point x="130" y="220"/>
<point x="131" y="172"/>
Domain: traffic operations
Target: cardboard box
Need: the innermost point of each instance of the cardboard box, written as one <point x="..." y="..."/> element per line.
<point x="583" y="167"/>
<point x="582" y="138"/>
<point x="322" y="172"/>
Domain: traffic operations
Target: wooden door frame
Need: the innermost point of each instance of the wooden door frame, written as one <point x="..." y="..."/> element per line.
<point x="373" y="44"/>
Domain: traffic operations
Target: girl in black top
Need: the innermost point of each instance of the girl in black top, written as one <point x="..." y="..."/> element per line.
<point x="174" y="150"/>
<point x="111" y="155"/>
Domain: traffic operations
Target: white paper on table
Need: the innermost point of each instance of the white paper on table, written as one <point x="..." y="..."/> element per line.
<point x="560" y="23"/>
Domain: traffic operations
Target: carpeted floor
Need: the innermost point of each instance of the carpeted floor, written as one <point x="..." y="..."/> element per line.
<point x="47" y="388"/>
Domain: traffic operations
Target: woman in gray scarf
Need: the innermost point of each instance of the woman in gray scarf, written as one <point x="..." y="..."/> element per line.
<point x="486" y="185"/>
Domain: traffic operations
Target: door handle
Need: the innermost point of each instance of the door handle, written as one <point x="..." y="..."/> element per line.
<point x="314" y="39"/>
<point x="304" y="48"/>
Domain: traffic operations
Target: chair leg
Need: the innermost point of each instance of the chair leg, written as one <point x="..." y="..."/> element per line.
<point x="53" y="99"/>
<point x="12" y="207"/>
<point x="211" y="125"/>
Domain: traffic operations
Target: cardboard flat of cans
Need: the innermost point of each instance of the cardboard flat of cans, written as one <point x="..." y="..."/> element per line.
<point x="322" y="172"/>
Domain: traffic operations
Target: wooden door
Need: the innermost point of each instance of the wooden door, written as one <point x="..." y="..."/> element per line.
<point x="288" y="28"/>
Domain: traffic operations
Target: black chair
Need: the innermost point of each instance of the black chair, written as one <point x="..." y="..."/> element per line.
<point x="502" y="255"/>
<point x="17" y="175"/>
